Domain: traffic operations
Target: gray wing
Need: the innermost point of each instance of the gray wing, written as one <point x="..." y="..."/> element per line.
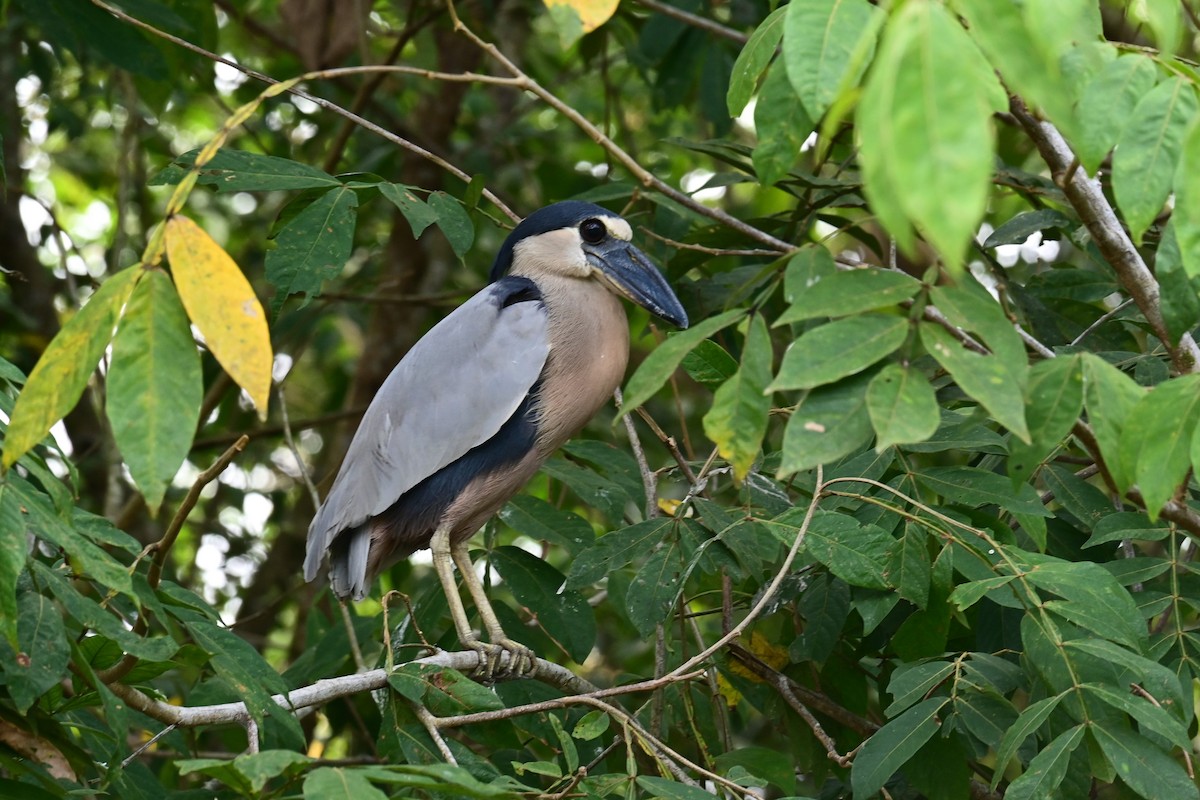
<point x="451" y="392"/>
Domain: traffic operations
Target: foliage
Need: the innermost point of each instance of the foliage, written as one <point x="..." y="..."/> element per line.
<point x="920" y="505"/>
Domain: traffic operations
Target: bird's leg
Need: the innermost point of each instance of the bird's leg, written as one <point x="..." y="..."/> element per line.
<point x="445" y="555"/>
<point x="522" y="661"/>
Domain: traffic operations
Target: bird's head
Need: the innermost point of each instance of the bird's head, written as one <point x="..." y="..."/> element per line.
<point x="583" y="240"/>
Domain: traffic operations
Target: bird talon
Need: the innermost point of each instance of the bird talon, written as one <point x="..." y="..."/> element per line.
<point x="521" y="661"/>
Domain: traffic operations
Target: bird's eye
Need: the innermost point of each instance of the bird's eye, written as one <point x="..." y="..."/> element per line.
<point x="592" y="230"/>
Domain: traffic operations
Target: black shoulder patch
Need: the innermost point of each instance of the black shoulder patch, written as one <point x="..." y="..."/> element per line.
<point x="515" y="289"/>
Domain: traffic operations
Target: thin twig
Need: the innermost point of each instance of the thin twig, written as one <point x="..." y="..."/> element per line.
<point x="769" y="594"/>
<point x="643" y="175"/>
<point x="669" y="443"/>
<point x="163" y="546"/>
<point x="291" y="443"/>
<point x="696" y="21"/>
<point x="1100" y="321"/>
<point x="712" y="251"/>
<point x="1140" y="692"/>
<point x="429" y="722"/>
<point x="649" y="483"/>
<point x="328" y="105"/>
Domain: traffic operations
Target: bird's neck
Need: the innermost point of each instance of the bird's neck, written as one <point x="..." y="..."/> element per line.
<point x="589" y="349"/>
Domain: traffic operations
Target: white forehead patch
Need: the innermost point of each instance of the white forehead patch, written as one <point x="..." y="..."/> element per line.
<point x="618" y="228"/>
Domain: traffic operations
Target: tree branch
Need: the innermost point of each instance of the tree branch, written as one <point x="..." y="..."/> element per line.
<point x="1088" y="200"/>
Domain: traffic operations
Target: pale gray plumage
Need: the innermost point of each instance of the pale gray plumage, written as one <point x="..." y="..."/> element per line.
<point x="475" y="408"/>
<point x="398" y="445"/>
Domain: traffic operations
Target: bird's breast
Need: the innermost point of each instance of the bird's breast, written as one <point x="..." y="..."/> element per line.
<point x="589" y="349"/>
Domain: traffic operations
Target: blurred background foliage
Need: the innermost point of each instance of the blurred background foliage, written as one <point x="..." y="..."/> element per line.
<point x="1002" y="544"/>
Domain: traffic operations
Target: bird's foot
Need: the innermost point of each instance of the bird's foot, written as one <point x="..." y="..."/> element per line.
<point x="521" y="661"/>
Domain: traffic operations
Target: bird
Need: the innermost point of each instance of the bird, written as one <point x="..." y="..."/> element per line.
<point x="480" y="402"/>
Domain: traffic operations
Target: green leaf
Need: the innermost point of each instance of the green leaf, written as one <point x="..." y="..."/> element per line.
<point x="445" y="779"/>
<point x="1022" y="226"/>
<point x="314" y="246"/>
<point x="13" y="551"/>
<point x="890" y="747"/>
<point x="658" y="366"/>
<point x="910" y="568"/>
<point x="1149" y="716"/>
<point x="454" y="221"/>
<point x="615" y="550"/>
<point x="539" y="520"/>
<point x="1185" y="219"/>
<point x="1159" y="431"/>
<point x="1088" y="503"/>
<point x="1029" y="720"/>
<point x="446" y="692"/>
<point x="761" y="762"/>
<point x="1148" y="151"/>
<point x="563" y="614"/>
<point x="418" y="213"/>
<point x="1179" y="293"/>
<point x="805" y="270"/>
<point x="828" y="423"/>
<point x="1054" y="400"/>
<point x="985" y="378"/>
<point x="88" y="613"/>
<point x="242" y="171"/>
<point x="968" y="306"/>
<point x="1160" y="682"/>
<point x="1109" y="396"/>
<point x="977" y="487"/>
<point x="1001" y="32"/>
<point x="825" y="607"/>
<point x="1146" y="769"/>
<point x="62" y="373"/>
<point x="339" y="783"/>
<point x="850" y="292"/>
<point x="913" y="682"/>
<point x="44" y="651"/>
<point x="902" y="406"/>
<point x="839" y="349"/>
<point x="591" y="725"/>
<point x="925" y="130"/>
<point x="827" y="45"/>
<point x="737" y="420"/>
<point x="1108" y="104"/>
<point x="1127" y="525"/>
<point x="258" y="768"/>
<point x="986" y="714"/>
<point x="1096" y="601"/>
<point x="1047" y="769"/>
<point x="154" y="386"/>
<point x="670" y="790"/>
<point x="856" y="553"/>
<point x="656" y="586"/>
<point x="966" y="595"/>
<point x="709" y="364"/>
<point x="781" y="125"/>
<point x="39" y="517"/>
<point x="753" y="60"/>
<point x="240" y="666"/>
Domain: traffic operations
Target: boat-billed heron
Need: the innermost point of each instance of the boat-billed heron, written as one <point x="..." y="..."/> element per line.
<point x="481" y="401"/>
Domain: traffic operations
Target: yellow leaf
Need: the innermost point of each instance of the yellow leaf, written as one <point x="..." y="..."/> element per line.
<point x="770" y="653"/>
<point x="592" y="13"/>
<point x="222" y="304"/>
<point x="62" y="372"/>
